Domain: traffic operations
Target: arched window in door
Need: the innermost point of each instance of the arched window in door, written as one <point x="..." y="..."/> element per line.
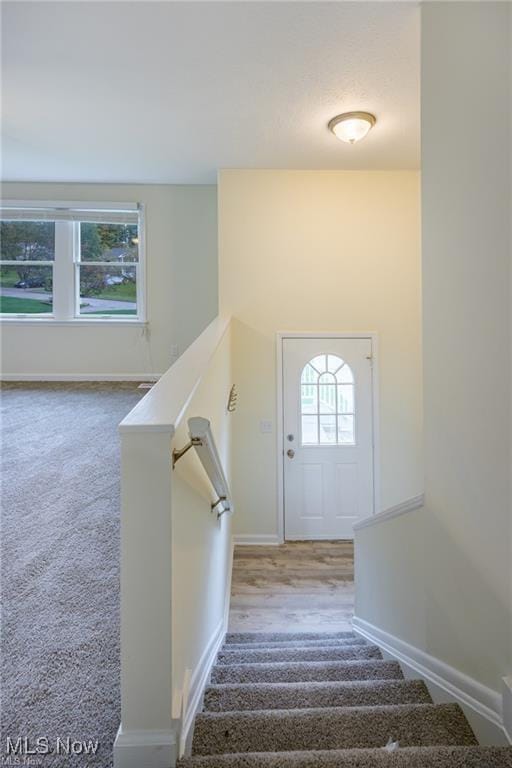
<point x="327" y="402"/>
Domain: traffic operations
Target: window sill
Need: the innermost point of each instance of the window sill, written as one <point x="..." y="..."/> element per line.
<point x="77" y="321"/>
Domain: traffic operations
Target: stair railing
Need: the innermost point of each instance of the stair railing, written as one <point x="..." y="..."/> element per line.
<point x="202" y="439"/>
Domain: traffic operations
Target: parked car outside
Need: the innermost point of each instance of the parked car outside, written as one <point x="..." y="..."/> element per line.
<point x="30" y="282"/>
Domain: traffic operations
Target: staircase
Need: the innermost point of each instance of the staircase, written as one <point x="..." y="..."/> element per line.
<point x="309" y="700"/>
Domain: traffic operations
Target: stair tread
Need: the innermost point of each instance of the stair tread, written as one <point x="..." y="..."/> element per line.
<point x="254" y="696"/>
<point x="407" y="757"/>
<point x="321" y="642"/>
<point x="330" y="728"/>
<point x="258" y="637"/>
<point x="305" y="671"/>
<point x="316" y="653"/>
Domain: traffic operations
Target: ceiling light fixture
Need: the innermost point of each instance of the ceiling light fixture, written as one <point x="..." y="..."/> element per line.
<point x="352" y="126"/>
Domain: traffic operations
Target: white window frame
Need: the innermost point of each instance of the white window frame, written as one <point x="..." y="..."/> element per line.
<point x="66" y="302"/>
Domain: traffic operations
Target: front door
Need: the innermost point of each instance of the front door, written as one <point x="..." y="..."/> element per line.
<point x="327" y="436"/>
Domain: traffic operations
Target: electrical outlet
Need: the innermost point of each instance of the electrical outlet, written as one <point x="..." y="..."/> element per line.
<point x="265" y="426"/>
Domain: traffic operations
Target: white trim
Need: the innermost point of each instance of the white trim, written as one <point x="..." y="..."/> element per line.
<point x="376" y="421"/>
<point x="151" y="749"/>
<point x="193" y="697"/>
<point x="45" y="320"/>
<point x="280" y="336"/>
<point x="327" y="537"/>
<point x="141" y="271"/>
<point x="75" y="205"/>
<point x="256" y="539"/>
<point x="507" y="706"/>
<point x="388" y="514"/>
<point x="280" y="437"/>
<point x="80" y="376"/>
<point x="467" y="691"/>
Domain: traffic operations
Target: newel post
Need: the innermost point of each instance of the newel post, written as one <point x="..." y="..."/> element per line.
<point x="147" y="734"/>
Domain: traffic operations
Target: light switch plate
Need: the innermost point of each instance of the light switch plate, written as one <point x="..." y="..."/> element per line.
<point x="265" y="426"/>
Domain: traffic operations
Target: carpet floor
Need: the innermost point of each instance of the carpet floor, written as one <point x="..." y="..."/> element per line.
<point x="60" y="565"/>
<point x="271" y="702"/>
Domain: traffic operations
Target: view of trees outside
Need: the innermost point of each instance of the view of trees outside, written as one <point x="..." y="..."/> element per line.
<point x="26" y="288"/>
<point x="108" y="287"/>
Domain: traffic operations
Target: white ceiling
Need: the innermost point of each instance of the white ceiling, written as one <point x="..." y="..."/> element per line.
<point x="171" y="92"/>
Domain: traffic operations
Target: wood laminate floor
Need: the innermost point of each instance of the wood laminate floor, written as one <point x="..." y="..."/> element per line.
<point x="299" y="586"/>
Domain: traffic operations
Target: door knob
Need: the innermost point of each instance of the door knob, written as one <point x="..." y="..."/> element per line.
<point x="290" y="453"/>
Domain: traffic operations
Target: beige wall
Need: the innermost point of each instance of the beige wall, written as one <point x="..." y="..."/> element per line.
<point x="181" y="252"/>
<point x="320" y="251"/>
<point x="455" y="595"/>
<point x="466" y="310"/>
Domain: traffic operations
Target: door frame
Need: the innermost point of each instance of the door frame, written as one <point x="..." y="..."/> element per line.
<point x="280" y="337"/>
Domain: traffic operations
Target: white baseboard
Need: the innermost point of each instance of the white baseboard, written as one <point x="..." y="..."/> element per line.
<point x="262" y="539"/>
<point x="151" y="749"/>
<point x="466" y="691"/>
<point x="507" y="707"/>
<point x="327" y="537"/>
<point x="80" y="376"/>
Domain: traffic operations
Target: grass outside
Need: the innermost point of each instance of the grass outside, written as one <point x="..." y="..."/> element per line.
<point x="123" y="292"/>
<point x="110" y="312"/>
<point x="11" y="305"/>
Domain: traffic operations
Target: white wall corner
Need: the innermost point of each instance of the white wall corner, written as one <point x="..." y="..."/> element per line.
<point x="151" y="749"/>
<point x="507" y="706"/>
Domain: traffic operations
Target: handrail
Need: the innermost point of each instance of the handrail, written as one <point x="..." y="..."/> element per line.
<point x="409" y="505"/>
<point x="201" y="438"/>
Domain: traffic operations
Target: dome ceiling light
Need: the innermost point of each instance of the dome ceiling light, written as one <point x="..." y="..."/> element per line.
<point x="352" y="126"/>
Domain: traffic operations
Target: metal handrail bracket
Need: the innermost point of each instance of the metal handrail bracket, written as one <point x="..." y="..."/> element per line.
<point x="201" y="438"/>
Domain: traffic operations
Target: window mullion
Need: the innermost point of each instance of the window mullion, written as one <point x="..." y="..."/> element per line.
<point x="63" y="272"/>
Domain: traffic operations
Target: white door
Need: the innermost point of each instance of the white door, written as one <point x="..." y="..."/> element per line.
<point x="327" y="436"/>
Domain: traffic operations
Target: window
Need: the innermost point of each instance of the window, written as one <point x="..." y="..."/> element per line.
<point x="71" y="262"/>
<point x="26" y="271"/>
<point x="327" y="402"/>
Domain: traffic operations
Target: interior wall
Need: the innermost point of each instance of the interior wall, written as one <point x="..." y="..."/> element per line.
<point x="181" y="287"/>
<point x="320" y="251"/>
<point x="455" y="595"/>
<point x="466" y="212"/>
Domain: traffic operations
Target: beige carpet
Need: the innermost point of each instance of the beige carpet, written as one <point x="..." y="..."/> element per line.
<point x="60" y="565"/>
<point x="325" y="700"/>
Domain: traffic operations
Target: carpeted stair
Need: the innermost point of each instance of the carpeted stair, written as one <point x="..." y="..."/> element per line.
<point x="308" y="700"/>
